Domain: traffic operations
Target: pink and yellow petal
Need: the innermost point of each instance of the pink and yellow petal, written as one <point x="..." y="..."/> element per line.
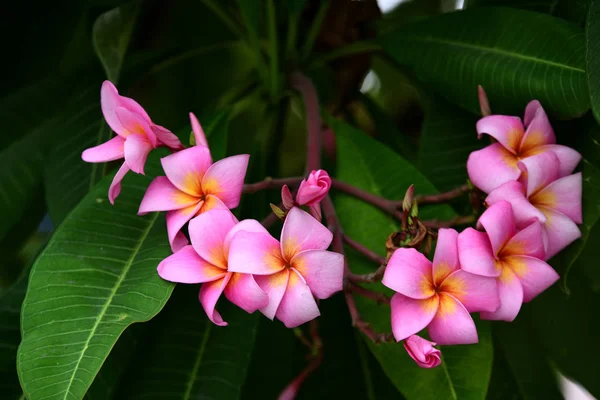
<point x="247" y="225"/>
<point x="409" y="273"/>
<point x="445" y="259"/>
<point x="302" y="232"/>
<point x="225" y="179"/>
<point x="410" y="316"/>
<point x="186" y="168"/>
<point x="161" y="195"/>
<point x="185" y="266"/>
<point x="207" y="234"/>
<point x="322" y="270"/>
<point x="115" y="186"/>
<point x="209" y="295"/>
<point x="499" y="223"/>
<point x="298" y="304"/>
<point x="136" y="150"/>
<point x="108" y="151"/>
<point x="176" y="219"/>
<point x="568" y="158"/>
<point x="243" y="291"/>
<point x="135" y="124"/>
<point x="475" y="253"/>
<point x="475" y="292"/>
<point x="255" y="253"/>
<point x="528" y="242"/>
<point x="563" y="195"/>
<point x="274" y="286"/>
<point x="535" y="275"/>
<point x="492" y="166"/>
<point x="505" y="129"/>
<point x="510" y="292"/>
<point x="452" y="323"/>
<point x="539" y="131"/>
<point x="514" y="193"/>
<point x="198" y="131"/>
<point x="560" y="230"/>
<point x="538" y="171"/>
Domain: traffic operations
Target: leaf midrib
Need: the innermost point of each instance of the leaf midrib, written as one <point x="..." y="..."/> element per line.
<point x="199" y="357"/>
<point x="113" y="292"/>
<point x="494" y="50"/>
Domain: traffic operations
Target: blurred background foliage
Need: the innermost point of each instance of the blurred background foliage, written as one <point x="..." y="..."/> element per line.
<point x="397" y="84"/>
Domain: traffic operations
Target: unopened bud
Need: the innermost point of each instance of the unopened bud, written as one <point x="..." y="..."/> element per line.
<point x="315" y="211"/>
<point x="409" y="198"/>
<point x="287" y="198"/>
<point x="414" y="210"/>
<point x="278" y="211"/>
<point x="484" y="104"/>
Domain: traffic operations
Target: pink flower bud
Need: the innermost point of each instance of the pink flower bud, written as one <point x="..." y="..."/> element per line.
<point x="422" y="351"/>
<point x="287" y="198"/>
<point x="484" y="104"/>
<point x="314" y="188"/>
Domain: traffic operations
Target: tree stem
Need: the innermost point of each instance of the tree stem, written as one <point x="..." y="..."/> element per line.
<point x="443" y="197"/>
<point x="313" y="120"/>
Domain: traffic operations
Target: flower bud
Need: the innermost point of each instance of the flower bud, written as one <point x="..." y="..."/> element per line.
<point x="484" y="104"/>
<point x="422" y="351"/>
<point x="286" y="197"/>
<point x="314" y="188"/>
<point x="408" y="200"/>
<point x="277" y="211"/>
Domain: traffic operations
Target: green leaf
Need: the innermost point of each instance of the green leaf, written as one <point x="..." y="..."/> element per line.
<point x="592" y="33"/>
<point x="96" y="277"/>
<point x="540" y="57"/>
<point x="367" y="164"/>
<point x="111" y="35"/>
<point x="571" y="10"/>
<point x="447" y="138"/>
<point x="191" y="357"/>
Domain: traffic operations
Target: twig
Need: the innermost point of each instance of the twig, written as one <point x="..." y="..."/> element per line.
<point x="313" y="120"/>
<point x="269" y="220"/>
<point x="443" y="197"/>
<point x="371" y="255"/>
<point x="389" y="206"/>
<point x="378" y="297"/>
<point x="270" y="183"/>
<point x="456" y="221"/>
<point x="368" y="278"/>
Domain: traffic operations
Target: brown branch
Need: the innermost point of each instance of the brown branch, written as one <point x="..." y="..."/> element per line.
<point x="377" y="297"/>
<point x="371" y="255"/>
<point x="270" y="183"/>
<point x="313" y="119"/>
<point x="369" y="278"/>
<point x="269" y="220"/>
<point x="389" y="206"/>
<point x="443" y="197"/>
<point x="456" y="221"/>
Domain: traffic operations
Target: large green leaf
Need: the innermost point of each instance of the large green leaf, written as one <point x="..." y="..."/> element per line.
<point x="539" y="57"/>
<point x="571" y="10"/>
<point x="191" y="357"/>
<point x="365" y="163"/>
<point x="592" y="33"/>
<point x="96" y="277"/>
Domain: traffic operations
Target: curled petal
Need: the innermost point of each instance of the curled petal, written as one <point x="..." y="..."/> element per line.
<point x="274" y="286"/>
<point x="409" y="316"/>
<point x="527" y="242"/>
<point x="255" y="253"/>
<point x="510" y="292"/>
<point x="186" y="266"/>
<point x="538" y="171"/>
<point x="137" y="148"/>
<point x="422" y="351"/>
<point x="561" y="231"/>
<point x="302" y="232"/>
<point x="161" y="195"/>
<point x="539" y="131"/>
<point x="563" y="195"/>
<point x="475" y="292"/>
<point x="209" y="295"/>
<point x="314" y="188"/>
<point x="243" y="291"/>
<point x="286" y="197"/>
<point x="207" y="233"/>
<point x="110" y="100"/>
<point x="135" y="124"/>
<point x="115" y="187"/>
<point x="492" y="166"/>
<point x="530" y="111"/>
<point x="108" y="151"/>
<point x="409" y="272"/>
<point x="445" y="259"/>
<point x="322" y="270"/>
<point x="225" y="179"/>
<point x="167" y="137"/>
<point x="475" y="253"/>
<point x="514" y="193"/>
<point x="499" y="224"/>
<point x="298" y="304"/>
<point x="198" y="131"/>
<point x="452" y="323"/>
<point x="506" y="130"/>
<point x="186" y="168"/>
<point x="176" y="219"/>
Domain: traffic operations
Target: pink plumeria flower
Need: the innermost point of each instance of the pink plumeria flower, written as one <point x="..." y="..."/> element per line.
<point x="513" y="257"/>
<point x="497" y="163"/>
<point x="422" y="351"/>
<point x="541" y="193"/>
<point x="293" y="271"/>
<point x="206" y="262"/>
<point x="438" y="296"/>
<point x="136" y="136"/>
<point x="312" y="190"/>
<point x="193" y="185"/>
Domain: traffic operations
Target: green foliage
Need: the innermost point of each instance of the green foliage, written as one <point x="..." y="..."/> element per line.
<point x="593" y="56"/>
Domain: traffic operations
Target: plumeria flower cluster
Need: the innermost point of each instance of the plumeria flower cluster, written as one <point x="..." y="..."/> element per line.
<point x="239" y="259"/>
<point x="534" y="206"/>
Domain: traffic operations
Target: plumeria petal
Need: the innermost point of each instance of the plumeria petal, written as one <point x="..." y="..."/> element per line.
<point x="137" y="148"/>
<point x="322" y="270"/>
<point x="298" y="304"/>
<point x="563" y="195"/>
<point x="243" y="291"/>
<point x="492" y="166"/>
<point x="505" y="129"/>
<point x="115" y="187"/>
<point x="514" y="193"/>
<point x="510" y="292"/>
<point x="538" y="171"/>
<point x="198" y="131"/>
<point x="561" y="231"/>
<point x="255" y="253"/>
<point x="135" y="124"/>
<point x="207" y="234"/>
<point x="161" y="195"/>
<point x="209" y="295"/>
<point x="445" y="259"/>
<point x="108" y="151"/>
<point x="186" y="266"/>
<point x="247" y="225"/>
<point x="475" y="292"/>
<point x="409" y="273"/>
<point x="528" y="242"/>
<point x="534" y="274"/>
<point x="539" y="131"/>
<point x="475" y="253"/>
<point x="274" y="286"/>
<point x="302" y="232"/>
<point x="225" y="179"/>
<point x="499" y="224"/>
<point x="186" y="168"/>
<point x="452" y="323"/>
<point x="409" y="316"/>
<point x="568" y="158"/>
<point x="110" y="100"/>
<point x="176" y="219"/>
<point x="167" y="137"/>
